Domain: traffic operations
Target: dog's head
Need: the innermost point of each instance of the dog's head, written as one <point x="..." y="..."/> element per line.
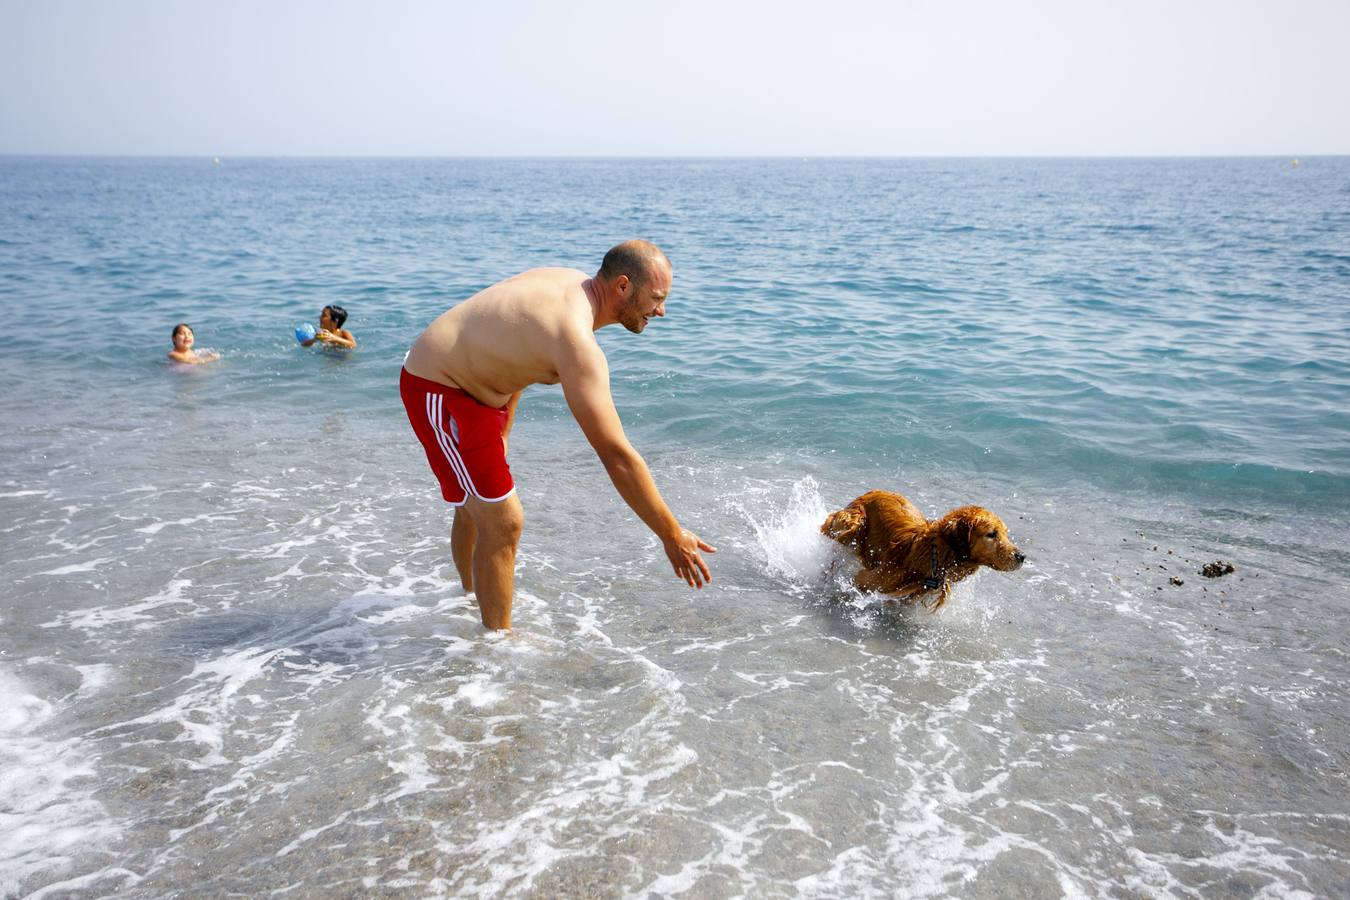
<point x="975" y="533"/>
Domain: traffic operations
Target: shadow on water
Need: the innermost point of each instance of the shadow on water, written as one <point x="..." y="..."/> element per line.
<point x="846" y="615"/>
<point x="204" y="636"/>
<point x="347" y="633"/>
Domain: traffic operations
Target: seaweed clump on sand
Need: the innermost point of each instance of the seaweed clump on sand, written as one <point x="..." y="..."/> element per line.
<point x="1217" y="568"/>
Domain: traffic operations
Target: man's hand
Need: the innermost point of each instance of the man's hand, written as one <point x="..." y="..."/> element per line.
<point x="682" y="550"/>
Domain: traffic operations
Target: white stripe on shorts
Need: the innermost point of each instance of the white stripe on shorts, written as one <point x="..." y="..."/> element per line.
<point x="435" y="404"/>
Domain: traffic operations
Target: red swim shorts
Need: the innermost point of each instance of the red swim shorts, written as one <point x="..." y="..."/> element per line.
<point x="462" y="438"/>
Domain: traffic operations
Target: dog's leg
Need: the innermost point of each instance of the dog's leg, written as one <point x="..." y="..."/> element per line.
<point x="943" y="595"/>
<point x="845" y="526"/>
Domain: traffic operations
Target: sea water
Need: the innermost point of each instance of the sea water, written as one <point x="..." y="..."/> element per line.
<point x="235" y="657"/>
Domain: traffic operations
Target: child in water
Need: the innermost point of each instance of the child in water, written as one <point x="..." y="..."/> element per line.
<point x="182" y="351"/>
<point x="331" y="331"/>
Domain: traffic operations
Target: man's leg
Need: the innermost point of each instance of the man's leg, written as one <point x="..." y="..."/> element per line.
<point x="462" y="536"/>
<point x="498" y="527"/>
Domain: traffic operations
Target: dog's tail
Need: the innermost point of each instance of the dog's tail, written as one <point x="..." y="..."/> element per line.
<point x="846" y="525"/>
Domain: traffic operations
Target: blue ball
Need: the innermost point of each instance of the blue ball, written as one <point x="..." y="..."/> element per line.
<point x="305" y="332"/>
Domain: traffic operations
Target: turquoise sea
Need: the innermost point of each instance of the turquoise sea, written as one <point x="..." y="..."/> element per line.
<point x="235" y="658"/>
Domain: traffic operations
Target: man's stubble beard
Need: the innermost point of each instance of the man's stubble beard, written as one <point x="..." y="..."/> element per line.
<point x="630" y="318"/>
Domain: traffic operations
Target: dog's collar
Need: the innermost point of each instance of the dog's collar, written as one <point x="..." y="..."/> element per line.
<point x="932" y="581"/>
<point x="936" y="578"/>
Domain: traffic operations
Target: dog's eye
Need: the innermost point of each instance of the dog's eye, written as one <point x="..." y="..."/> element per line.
<point x="993" y="535"/>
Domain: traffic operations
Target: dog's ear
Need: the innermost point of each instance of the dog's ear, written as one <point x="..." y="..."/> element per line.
<point x="956" y="532"/>
<point x="845" y="525"/>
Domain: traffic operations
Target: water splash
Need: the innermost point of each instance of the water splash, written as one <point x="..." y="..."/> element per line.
<point x="790" y="537"/>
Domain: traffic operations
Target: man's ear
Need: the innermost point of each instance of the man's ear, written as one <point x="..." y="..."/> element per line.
<point x="623" y="284"/>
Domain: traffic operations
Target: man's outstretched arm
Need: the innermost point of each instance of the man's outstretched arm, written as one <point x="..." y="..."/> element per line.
<point x="584" y="374"/>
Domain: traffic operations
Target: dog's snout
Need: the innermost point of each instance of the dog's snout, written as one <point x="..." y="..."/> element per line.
<point x="1020" y="557"/>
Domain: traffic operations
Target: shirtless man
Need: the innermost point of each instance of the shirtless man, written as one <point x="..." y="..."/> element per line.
<point x="461" y="383"/>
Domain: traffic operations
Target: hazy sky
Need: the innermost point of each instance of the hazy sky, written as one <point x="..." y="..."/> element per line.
<point x="683" y="77"/>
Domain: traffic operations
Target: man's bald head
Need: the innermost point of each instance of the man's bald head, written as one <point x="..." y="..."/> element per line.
<point x="639" y="260"/>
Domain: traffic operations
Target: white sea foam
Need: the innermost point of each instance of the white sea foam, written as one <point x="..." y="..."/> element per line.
<point x="173" y="594"/>
<point x="202" y="711"/>
<point x="93" y="678"/>
<point x="478" y="692"/>
<point x="48" y="815"/>
<point x="158" y="526"/>
<point x="75" y="568"/>
<point x="405" y="613"/>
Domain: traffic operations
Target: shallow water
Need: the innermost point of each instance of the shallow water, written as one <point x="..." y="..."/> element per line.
<point x="234" y="656"/>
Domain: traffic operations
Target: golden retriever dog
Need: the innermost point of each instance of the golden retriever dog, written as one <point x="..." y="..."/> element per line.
<point x="910" y="558"/>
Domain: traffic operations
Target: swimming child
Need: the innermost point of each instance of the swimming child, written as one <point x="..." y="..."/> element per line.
<point x="182" y="351"/>
<point x="330" y="329"/>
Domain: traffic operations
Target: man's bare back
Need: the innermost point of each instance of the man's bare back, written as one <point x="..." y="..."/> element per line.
<point x="506" y="337"/>
<point x="537" y="327"/>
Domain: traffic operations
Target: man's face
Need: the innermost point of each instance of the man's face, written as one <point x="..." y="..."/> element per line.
<point x="646" y="299"/>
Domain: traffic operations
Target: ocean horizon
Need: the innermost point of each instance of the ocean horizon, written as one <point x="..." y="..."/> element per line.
<point x="338" y="157"/>
<point x="235" y="656"/>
